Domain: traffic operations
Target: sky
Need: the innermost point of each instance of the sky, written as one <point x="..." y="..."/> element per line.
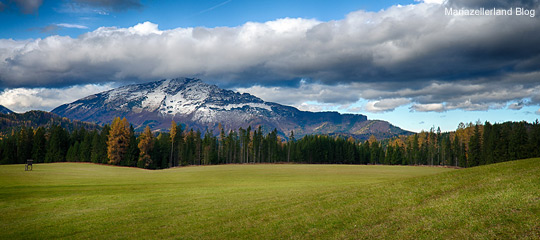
<point x="413" y="63"/>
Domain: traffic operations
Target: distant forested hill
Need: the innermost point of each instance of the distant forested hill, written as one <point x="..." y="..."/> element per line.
<point x="35" y="119"/>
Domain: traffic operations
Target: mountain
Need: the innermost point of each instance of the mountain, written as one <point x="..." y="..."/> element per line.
<point x="202" y="106"/>
<point x="4" y="110"/>
<point x="40" y="119"/>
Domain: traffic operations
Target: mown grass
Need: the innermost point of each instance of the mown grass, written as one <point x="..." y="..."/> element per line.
<point x="85" y="201"/>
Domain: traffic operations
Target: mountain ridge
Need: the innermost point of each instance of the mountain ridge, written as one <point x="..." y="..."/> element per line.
<point x="203" y="106"/>
<point x="5" y="110"/>
<point x="37" y="118"/>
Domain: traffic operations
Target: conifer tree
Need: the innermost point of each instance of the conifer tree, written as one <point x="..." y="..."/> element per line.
<point x="475" y="148"/>
<point x="39" y="145"/>
<point x="58" y="145"/>
<point x="85" y="150"/>
<point x="146" y="143"/>
<point x="118" y="141"/>
<point x="132" y="154"/>
<point x="24" y="144"/>
<point x="99" y="146"/>
<point x="173" y="132"/>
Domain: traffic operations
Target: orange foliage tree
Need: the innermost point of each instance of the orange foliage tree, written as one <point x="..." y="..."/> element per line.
<point x="118" y="141"/>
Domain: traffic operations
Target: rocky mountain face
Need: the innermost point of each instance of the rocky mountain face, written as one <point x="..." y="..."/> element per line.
<point x="202" y="106"/>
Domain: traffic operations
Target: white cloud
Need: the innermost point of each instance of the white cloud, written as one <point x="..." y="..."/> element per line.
<point x="516" y="106"/>
<point x="305" y="92"/>
<point x="403" y="55"/>
<point x="25" y="99"/>
<point x="145" y="28"/>
<point x="386" y="105"/>
<point x="432" y="107"/>
<point x="69" y="25"/>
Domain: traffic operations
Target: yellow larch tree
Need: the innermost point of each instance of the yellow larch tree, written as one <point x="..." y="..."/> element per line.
<point x="118" y="140"/>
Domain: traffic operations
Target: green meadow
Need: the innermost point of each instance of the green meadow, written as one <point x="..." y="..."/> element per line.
<point x="270" y="201"/>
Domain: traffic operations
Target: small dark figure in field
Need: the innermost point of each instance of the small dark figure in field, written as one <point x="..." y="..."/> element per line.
<point x="28" y="166"/>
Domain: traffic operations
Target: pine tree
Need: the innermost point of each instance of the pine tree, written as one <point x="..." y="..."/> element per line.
<point x="374" y="157"/>
<point x="58" y="145"/>
<point x="85" y="150"/>
<point x="456" y="148"/>
<point x="488" y="148"/>
<point x="132" y="154"/>
<point x="198" y="147"/>
<point x="475" y="148"/>
<point x="39" y="146"/>
<point x="99" y="146"/>
<point x="534" y="139"/>
<point x="24" y="144"/>
<point x="290" y="145"/>
<point x="73" y="153"/>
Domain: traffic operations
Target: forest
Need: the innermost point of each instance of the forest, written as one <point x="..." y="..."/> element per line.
<point x="118" y="144"/>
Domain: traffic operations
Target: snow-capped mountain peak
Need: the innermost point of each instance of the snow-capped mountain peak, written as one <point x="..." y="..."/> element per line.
<point x="178" y="96"/>
<point x="203" y="106"/>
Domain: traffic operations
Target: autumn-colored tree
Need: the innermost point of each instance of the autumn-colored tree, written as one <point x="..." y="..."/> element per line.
<point x="118" y="141"/>
<point x="372" y="139"/>
<point x="173" y="133"/>
<point x="146" y="143"/>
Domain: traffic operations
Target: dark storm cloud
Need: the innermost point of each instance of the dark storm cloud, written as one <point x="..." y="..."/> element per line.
<point x="413" y="54"/>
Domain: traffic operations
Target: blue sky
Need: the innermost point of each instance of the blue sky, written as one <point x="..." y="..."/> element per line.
<point x="171" y="14"/>
<point x="402" y="61"/>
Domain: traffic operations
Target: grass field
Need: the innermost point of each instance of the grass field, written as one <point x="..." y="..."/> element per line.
<point x="86" y="201"/>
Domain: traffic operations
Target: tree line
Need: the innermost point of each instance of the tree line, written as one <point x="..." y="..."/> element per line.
<point x="118" y="144"/>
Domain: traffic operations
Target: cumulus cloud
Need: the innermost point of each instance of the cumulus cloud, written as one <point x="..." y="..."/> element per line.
<point x="516" y="105"/>
<point x="431" y="107"/>
<point x="25" y="99"/>
<point x="430" y="97"/>
<point x="404" y="55"/>
<point x="386" y="105"/>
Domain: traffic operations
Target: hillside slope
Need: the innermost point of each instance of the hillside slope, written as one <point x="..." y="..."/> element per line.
<point x="5" y="110"/>
<point x="499" y="201"/>
<point x="37" y="119"/>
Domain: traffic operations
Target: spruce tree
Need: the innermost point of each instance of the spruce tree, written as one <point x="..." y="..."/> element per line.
<point x="475" y="148"/>
<point x="39" y="145"/>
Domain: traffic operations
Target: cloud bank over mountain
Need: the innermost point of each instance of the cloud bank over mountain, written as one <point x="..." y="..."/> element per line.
<point x="402" y="55"/>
